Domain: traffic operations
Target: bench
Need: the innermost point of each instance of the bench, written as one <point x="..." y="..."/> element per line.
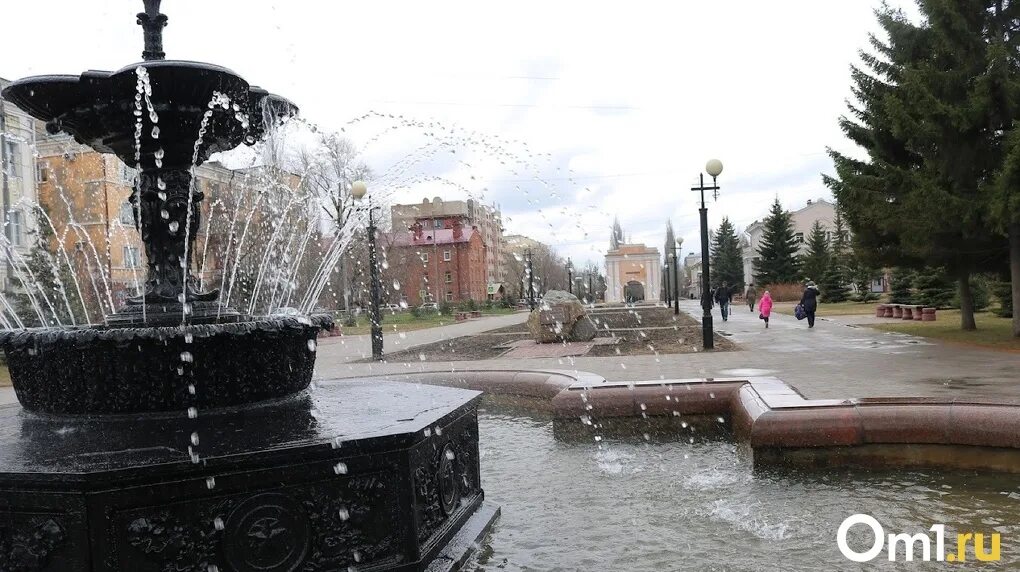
<point x="928" y="315"/>
<point x="460" y="316"/>
<point x="476" y="314"/>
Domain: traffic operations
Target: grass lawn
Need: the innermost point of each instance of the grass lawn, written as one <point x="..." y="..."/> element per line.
<point x="993" y="332"/>
<point x="406" y="322"/>
<point x="837" y="309"/>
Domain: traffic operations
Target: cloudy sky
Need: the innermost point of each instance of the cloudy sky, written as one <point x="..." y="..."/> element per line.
<point x="596" y="109"/>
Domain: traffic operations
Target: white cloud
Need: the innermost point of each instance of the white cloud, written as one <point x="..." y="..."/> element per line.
<point x="628" y="100"/>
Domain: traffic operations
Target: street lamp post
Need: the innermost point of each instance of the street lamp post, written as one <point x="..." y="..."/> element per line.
<point x="591" y="291"/>
<point x="531" y="283"/>
<point x="713" y="168"/>
<point x="666" y="284"/>
<point x="570" y="276"/>
<point x="358" y="191"/>
<point x="676" y="280"/>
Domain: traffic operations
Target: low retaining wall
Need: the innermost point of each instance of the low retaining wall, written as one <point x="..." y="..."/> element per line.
<point x="780" y="425"/>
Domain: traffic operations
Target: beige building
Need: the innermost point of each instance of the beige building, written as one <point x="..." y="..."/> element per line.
<point x="633" y="273"/>
<point x="17" y="184"/>
<point x="440" y="214"/>
<point x="819" y="210"/>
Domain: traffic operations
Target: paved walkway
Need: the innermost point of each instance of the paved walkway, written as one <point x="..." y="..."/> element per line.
<point x="833" y="360"/>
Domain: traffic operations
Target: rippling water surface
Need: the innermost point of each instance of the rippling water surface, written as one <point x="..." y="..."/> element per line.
<point x="664" y="503"/>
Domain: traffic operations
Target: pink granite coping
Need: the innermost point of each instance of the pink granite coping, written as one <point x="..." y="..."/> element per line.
<point x="775" y="419"/>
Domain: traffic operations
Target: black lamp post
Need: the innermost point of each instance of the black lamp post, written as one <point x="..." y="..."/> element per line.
<point x="666" y="284"/>
<point x="714" y="168"/>
<point x="676" y="276"/>
<point x="570" y="277"/>
<point x="591" y="291"/>
<point x="531" y="283"/>
<point x="358" y="191"/>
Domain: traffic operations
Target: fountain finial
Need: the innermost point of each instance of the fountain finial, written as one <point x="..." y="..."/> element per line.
<point x="152" y="22"/>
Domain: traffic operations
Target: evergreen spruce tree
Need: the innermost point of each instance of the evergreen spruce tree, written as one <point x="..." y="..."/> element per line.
<point x="834" y="286"/>
<point x="933" y="288"/>
<point x="901" y="285"/>
<point x="727" y="263"/>
<point x="931" y="111"/>
<point x="777" y="254"/>
<point x="816" y="260"/>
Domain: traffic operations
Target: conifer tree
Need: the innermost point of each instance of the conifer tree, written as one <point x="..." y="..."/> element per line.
<point x="901" y="285"/>
<point x="931" y="111"/>
<point x="816" y="260"/>
<point x="933" y="288"/>
<point x="777" y="255"/>
<point x="834" y="280"/>
<point x="616" y="237"/>
<point x="727" y="263"/>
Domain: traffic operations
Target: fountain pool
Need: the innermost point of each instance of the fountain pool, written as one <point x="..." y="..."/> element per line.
<point x="668" y="504"/>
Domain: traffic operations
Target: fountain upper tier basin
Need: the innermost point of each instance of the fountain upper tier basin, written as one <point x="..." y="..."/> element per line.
<point x="98" y="109"/>
<point x="98" y="370"/>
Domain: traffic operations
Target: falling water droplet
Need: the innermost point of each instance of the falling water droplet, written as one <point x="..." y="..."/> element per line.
<point x="194" y="438"/>
<point x="396" y="284"/>
<point x="311" y="345"/>
<point x="155" y="131"/>
<point x="218" y="523"/>
<point x="186" y="357"/>
<point x="164" y="214"/>
<point x="191" y="388"/>
<point x="174" y="225"/>
<point x="450" y="455"/>
<point x="343" y="513"/>
<point x="192" y="412"/>
<point x="340" y="468"/>
<point x="189" y="338"/>
<point x="210" y="483"/>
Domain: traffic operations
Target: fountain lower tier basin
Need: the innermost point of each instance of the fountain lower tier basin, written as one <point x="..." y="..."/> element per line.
<point x="97" y="370"/>
<point x="357" y="474"/>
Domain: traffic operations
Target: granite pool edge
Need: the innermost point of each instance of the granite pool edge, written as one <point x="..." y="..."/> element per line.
<point x="780" y="425"/>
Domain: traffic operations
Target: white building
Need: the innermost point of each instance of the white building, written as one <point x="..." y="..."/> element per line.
<point x="17" y="183"/>
<point x="819" y="210"/>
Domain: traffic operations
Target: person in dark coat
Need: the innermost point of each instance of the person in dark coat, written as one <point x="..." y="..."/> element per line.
<point x="809" y="300"/>
<point x="724" y="295"/>
<point x="751" y="296"/>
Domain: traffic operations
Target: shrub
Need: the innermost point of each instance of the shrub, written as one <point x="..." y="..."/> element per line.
<point x="901" y="286"/>
<point x="508" y="302"/>
<point x="445" y="308"/>
<point x="790" y="292"/>
<point x="1004" y="295"/>
<point x="933" y="288"/>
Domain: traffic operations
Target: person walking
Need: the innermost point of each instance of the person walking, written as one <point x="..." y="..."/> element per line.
<point x="751" y="295"/>
<point x="765" y="308"/>
<point x="809" y="300"/>
<point x="724" y="295"/>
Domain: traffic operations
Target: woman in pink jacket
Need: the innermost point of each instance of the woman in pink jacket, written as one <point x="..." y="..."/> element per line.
<point x="765" y="307"/>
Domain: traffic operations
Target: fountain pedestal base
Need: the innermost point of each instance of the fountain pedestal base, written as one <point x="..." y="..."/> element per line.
<point x="355" y="475"/>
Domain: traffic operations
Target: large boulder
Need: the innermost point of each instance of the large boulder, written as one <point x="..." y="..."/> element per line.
<point x="557" y="318"/>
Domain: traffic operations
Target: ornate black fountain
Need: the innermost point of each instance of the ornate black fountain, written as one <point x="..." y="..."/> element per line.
<point x="181" y="435"/>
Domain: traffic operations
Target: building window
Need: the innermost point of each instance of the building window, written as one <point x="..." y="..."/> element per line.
<point x="447" y="256"/>
<point x="131" y="257"/>
<point x="41" y="174"/>
<point x="14" y="218"/>
<point x="799" y="237"/>
<point x="12" y="154"/>
<point x="449" y="277"/>
<point x="423" y="295"/>
<point x="425" y="257"/>
<point x="127" y="213"/>
<point x="437" y="223"/>
<point x="449" y="296"/>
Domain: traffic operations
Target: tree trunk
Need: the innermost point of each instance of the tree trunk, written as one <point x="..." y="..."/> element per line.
<point x="966" y="304"/>
<point x="1014" y="273"/>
